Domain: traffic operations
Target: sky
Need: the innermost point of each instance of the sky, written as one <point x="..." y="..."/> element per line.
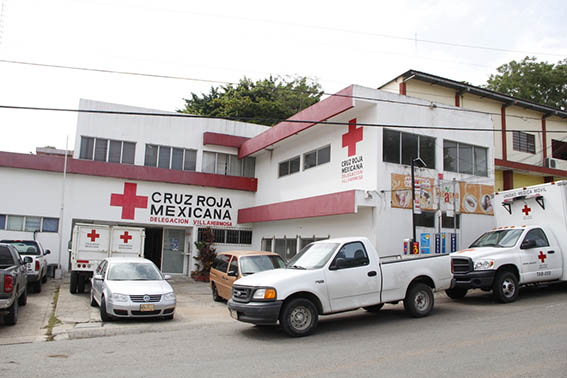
<point x="209" y="43"/>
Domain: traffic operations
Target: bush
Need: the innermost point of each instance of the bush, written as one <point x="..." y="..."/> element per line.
<point x="206" y="257"/>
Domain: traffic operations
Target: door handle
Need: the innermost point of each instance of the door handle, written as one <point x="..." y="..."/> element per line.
<point x="372" y="273"/>
<point x="550" y="251"/>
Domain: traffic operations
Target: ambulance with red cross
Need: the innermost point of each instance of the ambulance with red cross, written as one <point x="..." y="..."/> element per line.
<point x="527" y="246"/>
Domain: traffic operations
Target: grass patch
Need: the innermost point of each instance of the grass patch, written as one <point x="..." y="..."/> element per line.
<point x="53" y="321"/>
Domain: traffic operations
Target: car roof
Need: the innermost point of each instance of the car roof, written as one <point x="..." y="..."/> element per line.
<point x="247" y="253"/>
<point x="128" y="260"/>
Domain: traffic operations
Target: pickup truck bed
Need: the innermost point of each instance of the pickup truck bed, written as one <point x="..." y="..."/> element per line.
<point x="13" y="282"/>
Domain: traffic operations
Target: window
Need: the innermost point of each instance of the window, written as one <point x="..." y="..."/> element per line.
<point x="538" y="236"/>
<point x="304" y="241"/>
<point x="228" y="236"/>
<point x="170" y="157"/>
<point x="425" y="219"/>
<point x="523" y="142"/>
<point x="353" y="255"/>
<point x="401" y="148"/>
<point x="2" y="222"/>
<point x="558" y="149"/>
<point x="465" y="158"/>
<point x="226" y="164"/>
<point x="114" y="151"/>
<point x="15" y="223"/>
<point x="233" y="265"/>
<point x="289" y="166"/>
<point x="50" y="225"/>
<point x="317" y="157"/>
<point x="221" y="262"/>
<point x="286" y="248"/>
<point x="33" y="224"/>
<point x="266" y="244"/>
<point x="447" y="222"/>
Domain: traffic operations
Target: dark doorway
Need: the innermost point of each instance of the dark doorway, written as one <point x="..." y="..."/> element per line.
<point x="153" y="245"/>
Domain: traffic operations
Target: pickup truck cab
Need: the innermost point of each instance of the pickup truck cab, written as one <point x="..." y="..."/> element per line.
<point x="37" y="268"/>
<point x="337" y="275"/>
<point x="13" y="282"/>
<point x="523" y="249"/>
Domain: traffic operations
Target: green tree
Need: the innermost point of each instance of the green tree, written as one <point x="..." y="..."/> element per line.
<point x="540" y="82"/>
<point x="263" y="102"/>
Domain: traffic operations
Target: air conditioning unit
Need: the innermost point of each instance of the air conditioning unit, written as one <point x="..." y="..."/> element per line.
<point x="550" y="163"/>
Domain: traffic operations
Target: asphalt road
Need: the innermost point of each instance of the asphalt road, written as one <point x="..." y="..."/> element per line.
<point x="474" y="337"/>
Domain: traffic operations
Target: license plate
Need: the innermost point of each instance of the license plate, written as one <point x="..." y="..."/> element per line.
<point x="146" y="307"/>
<point x="234" y="314"/>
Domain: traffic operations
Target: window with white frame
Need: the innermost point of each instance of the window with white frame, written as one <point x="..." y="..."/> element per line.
<point x="181" y="159"/>
<point x="28" y="223"/>
<point x="317" y="157"/>
<point x="465" y="158"/>
<point x="227" y="164"/>
<point x="113" y="151"/>
<point x="401" y="148"/>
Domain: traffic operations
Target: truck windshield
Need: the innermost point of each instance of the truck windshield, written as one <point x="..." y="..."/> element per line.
<point x="313" y="256"/>
<point x="255" y="264"/>
<point x="500" y="239"/>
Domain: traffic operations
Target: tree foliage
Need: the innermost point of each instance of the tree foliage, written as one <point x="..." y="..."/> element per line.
<point x="540" y="82"/>
<point x="263" y="102"/>
<point x="206" y="256"/>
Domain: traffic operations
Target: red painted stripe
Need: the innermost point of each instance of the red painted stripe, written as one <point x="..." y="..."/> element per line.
<point x="125" y="171"/>
<point x="82" y="261"/>
<point x="321" y="111"/>
<point x="223" y="139"/>
<point x="318" y="206"/>
<point x="529" y="168"/>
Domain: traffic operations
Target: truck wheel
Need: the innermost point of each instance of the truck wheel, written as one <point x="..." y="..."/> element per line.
<point x="419" y="300"/>
<point x="12" y="317"/>
<point x="374" y="308"/>
<point x="456" y="292"/>
<point x="215" y="292"/>
<point x="23" y="298"/>
<point x="505" y="287"/>
<point x="81" y="284"/>
<point x="299" y="317"/>
<point x="73" y="284"/>
<point x="103" y="314"/>
<point x="44" y="278"/>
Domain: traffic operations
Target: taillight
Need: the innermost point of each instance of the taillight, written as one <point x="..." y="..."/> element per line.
<point x="8" y="283"/>
<point x="452" y="267"/>
<point x="36" y="264"/>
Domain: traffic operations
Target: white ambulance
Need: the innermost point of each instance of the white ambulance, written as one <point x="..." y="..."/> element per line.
<point x="92" y="243"/>
<point x="527" y="246"/>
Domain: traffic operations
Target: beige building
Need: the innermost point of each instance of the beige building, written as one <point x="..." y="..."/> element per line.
<point x="530" y="140"/>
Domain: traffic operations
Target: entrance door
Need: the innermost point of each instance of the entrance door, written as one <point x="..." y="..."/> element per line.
<point x="153" y="245"/>
<point x="173" y="251"/>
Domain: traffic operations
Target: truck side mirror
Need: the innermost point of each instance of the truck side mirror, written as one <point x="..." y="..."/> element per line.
<point x="47" y="252"/>
<point x="232" y="273"/>
<point x="97" y="277"/>
<point x="528" y="244"/>
<point x="28" y="260"/>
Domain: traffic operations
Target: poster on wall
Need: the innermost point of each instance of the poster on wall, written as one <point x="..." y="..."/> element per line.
<point x="401" y="192"/>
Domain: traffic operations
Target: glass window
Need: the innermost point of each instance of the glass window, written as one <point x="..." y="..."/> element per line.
<point x="190" y="160"/>
<point x="425" y="219"/>
<point x="294" y="165"/>
<point x="233" y="265"/>
<point x="15" y="223"/>
<point x="163" y="157"/>
<point x="558" y="149"/>
<point x="115" y="151"/>
<point x="177" y="159"/>
<point x="128" y="151"/>
<point x="100" y="149"/>
<point x="209" y="161"/>
<point x="324" y="155"/>
<point x="353" y="255"/>
<point x="235" y="166"/>
<point x="249" y="167"/>
<point x="222" y="164"/>
<point x="33" y="224"/>
<point x="245" y="237"/>
<point x="465" y="152"/>
<point x="266" y="244"/>
<point x="232" y="236"/>
<point x="391" y="146"/>
<point x="50" y="225"/>
<point x="450" y="156"/>
<point x="260" y="263"/>
<point x="538" y="236"/>
<point x="222" y="264"/>
<point x="309" y="159"/>
<point x="480" y="161"/>
<point x="409" y="148"/>
<point x="448" y="222"/>
<point x="427" y="151"/>
<point x="87" y="148"/>
<point x="219" y="235"/>
<point x="2" y="222"/>
<point x="523" y="142"/>
<point x="150" y="159"/>
<point x="283" y="169"/>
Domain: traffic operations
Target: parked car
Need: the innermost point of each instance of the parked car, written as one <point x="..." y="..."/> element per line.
<point x="232" y="265"/>
<point x="13" y="283"/>
<point x="131" y="287"/>
<point x="37" y="268"/>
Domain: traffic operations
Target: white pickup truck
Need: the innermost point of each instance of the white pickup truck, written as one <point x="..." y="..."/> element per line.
<point x="337" y="275"/>
<point x="526" y="247"/>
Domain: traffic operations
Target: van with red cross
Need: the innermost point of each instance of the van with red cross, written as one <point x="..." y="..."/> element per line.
<point x="92" y="243"/>
<point x="527" y="246"/>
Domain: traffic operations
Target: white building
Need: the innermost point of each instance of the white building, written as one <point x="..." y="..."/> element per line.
<point x="338" y="168"/>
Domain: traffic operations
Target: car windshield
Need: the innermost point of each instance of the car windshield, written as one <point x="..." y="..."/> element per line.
<point x="255" y="264"/>
<point x="313" y="256"/>
<point x="499" y="239"/>
<point x="24" y="247"/>
<point x="133" y="272"/>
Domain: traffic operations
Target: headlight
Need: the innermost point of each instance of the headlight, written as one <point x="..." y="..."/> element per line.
<point x="484" y="265"/>
<point x="119" y="297"/>
<point x="265" y="293"/>
<point x="169" y="296"/>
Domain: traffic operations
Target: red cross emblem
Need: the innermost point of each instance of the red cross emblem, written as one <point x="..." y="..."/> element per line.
<point x="125" y="237"/>
<point x="93" y="235"/>
<point x="129" y="201"/>
<point x="526" y="210"/>
<point x="351" y="138"/>
<point x="542" y="257"/>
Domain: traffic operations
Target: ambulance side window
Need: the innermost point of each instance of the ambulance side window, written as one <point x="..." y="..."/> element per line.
<point x="538" y="236"/>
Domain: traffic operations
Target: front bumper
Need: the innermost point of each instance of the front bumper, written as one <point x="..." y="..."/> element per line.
<point x="134" y="310"/>
<point x="256" y="312"/>
<point x="482" y="279"/>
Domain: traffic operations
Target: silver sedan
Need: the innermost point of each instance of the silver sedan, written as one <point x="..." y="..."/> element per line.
<point x="131" y="287"/>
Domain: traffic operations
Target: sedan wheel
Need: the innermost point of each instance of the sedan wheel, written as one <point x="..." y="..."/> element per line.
<point x="103" y="314"/>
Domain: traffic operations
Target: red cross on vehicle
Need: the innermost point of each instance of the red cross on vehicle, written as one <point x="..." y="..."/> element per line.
<point x="125" y="237"/>
<point x="526" y="210"/>
<point x="93" y="235"/>
<point x="542" y="256"/>
<point x="351" y="138"/>
<point x="129" y="201"/>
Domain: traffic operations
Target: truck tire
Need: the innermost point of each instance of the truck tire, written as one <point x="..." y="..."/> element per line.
<point x="299" y="317"/>
<point x="73" y="284"/>
<point x="44" y="278"/>
<point x="23" y="298"/>
<point x="12" y="317"/>
<point x="215" y="293"/>
<point x="37" y="286"/>
<point x="419" y="300"/>
<point x="374" y="308"/>
<point x="456" y="292"/>
<point x="104" y="316"/>
<point x="505" y="288"/>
